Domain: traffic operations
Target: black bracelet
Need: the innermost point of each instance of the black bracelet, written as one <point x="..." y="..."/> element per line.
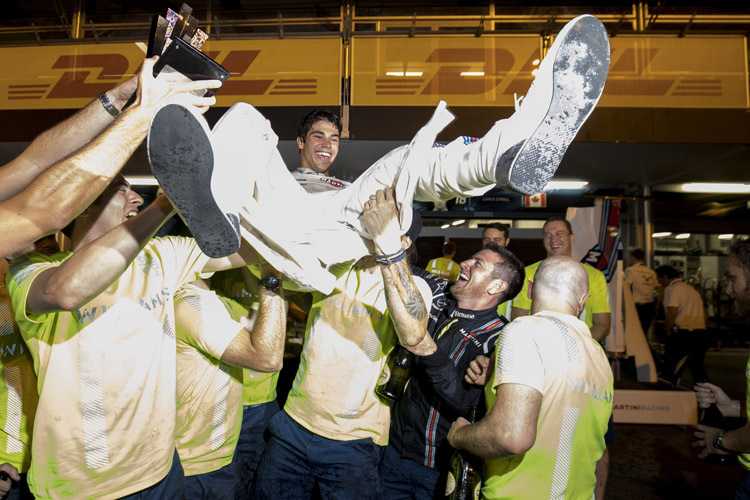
<point x="111" y="109"/>
<point x="391" y="258"/>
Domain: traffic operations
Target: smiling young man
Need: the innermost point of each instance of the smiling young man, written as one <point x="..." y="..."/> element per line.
<point x="558" y="240"/>
<point x="318" y="140"/>
<point x="464" y="323"/>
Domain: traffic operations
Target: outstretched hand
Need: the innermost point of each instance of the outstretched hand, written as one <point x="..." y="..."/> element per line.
<point x="153" y="92"/>
<point x="708" y="394"/>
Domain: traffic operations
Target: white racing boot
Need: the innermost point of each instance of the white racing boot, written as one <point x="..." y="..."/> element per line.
<point x="182" y="156"/>
<point x="568" y="84"/>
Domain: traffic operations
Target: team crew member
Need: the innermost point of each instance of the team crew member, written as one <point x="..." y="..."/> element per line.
<point x="642" y="281"/>
<point x="213" y="346"/>
<point x="558" y="240"/>
<point x="18" y="396"/>
<point x="65" y="168"/>
<point x="463" y="324"/>
<point x="99" y="323"/>
<point x="550" y="399"/>
<point x="333" y="425"/>
<point x="259" y="397"/>
<point x="499" y="234"/>
<point x="721" y="441"/>
<point x="445" y="266"/>
<point x="496" y="233"/>
<point x="684" y="325"/>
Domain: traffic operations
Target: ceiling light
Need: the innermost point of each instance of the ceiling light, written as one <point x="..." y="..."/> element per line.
<point x="533" y="73"/>
<point x="661" y="235"/>
<point x="682" y="236"/>
<point x="141" y="180"/>
<point x="445" y="226"/>
<point x="458" y="222"/>
<point x="472" y="73"/>
<point x="535" y="62"/>
<point x="715" y="187"/>
<point x="403" y="73"/>
<point x="565" y="185"/>
<point x="726" y="236"/>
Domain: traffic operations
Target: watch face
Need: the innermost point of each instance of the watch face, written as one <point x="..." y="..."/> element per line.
<point x="270" y="283"/>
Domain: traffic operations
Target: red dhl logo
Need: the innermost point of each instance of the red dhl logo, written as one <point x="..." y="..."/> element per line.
<point x="626" y="77"/>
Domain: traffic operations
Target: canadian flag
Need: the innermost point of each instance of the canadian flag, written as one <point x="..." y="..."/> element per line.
<point x="535" y="200"/>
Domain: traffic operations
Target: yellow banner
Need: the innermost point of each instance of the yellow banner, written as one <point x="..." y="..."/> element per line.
<point x="645" y="71"/>
<point x="263" y="72"/>
<point x="464" y="71"/>
<point x="672" y="72"/>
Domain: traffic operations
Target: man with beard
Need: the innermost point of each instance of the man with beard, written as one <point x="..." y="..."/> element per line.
<point x="463" y="324"/>
<point x="710" y="439"/>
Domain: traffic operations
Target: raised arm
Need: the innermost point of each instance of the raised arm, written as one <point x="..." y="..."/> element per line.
<point x="61" y="140"/>
<point x="262" y="348"/>
<point x="98" y="264"/>
<point x="404" y="299"/>
<point x="59" y="193"/>
<point x="508" y="429"/>
<point x="601" y="327"/>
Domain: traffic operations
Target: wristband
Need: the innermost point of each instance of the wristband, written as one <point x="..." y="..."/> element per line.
<point x="111" y="109"/>
<point x="391" y="258"/>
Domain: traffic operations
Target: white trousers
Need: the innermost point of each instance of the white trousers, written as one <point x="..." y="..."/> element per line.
<point x="303" y="234"/>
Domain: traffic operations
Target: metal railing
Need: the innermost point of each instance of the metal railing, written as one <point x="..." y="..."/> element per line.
<point x="349" y="22"/>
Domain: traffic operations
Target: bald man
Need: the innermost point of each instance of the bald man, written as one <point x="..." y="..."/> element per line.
<point x="551" y="396"/>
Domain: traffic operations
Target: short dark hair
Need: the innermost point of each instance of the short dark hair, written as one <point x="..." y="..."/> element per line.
<point x="740" y="250"/>
<point x="499" y="226"/>
<point x="511" y="270"/>
<point x="449" y="247"/>
<point x="668" y="271"/>
<point x="638" y="254"/>
<point x="314" y="117"/>
<point x="557" y="218"/>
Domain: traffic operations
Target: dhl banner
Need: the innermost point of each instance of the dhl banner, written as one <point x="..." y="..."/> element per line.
<point x="463" y="71"/>
<point x="645" y="71"/>
<point x="263" y="72"/>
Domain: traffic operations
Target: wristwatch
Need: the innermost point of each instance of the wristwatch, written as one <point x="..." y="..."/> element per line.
<point x="719" y="441"/>
<point x="270" y="283"/>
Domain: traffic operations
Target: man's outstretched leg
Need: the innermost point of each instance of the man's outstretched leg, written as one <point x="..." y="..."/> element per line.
<point x="524" y="151"/>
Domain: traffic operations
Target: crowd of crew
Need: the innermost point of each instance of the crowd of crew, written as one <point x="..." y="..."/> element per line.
<point x="143" y="367"/>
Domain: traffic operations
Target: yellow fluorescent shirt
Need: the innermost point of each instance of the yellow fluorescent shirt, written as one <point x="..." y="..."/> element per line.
<point x="18" y="396"/>
<point x="598" y="301"/>
<point x="106" y="376"/>
<point x="209" y="392"/>
<point x="554" y="354"/>
<point x="444" y="268"/>
<point x="350" y="332"/>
